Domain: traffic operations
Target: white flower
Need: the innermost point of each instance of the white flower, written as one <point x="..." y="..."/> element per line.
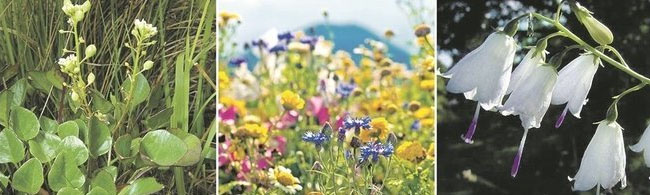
<point x="323" y="48"/>
<point x="532" y="97"/>
<point x="643" y="146"/>
<point x="143" y="30"/>
<point x="244" y="85"/>
<point x="483" y="75"/>
<point x="603" y="163"/>
<point x="530" y="61"/>
<point x="68" y="64"/>
<point x="75" y="12"/>
<point x="282" y="178"/>
<point x="573" y="84"/>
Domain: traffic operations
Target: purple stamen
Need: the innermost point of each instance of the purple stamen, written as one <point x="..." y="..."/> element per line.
<point x="517" y="160"/>
<point x="561" y="118"/>
<point x="467" y="137"/>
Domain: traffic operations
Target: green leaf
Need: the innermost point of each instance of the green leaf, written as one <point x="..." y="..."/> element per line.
<point x="44" y="147"/>
<point x="140" y="92"/>
<point x="162" y="147"/>
<point x="4" y="181"/>
<point x="142" y="186"/>
<point x="5" y="104"/>
<point x="99" y="103"/>
<point x="211" y="153"/>
<point x="193" y="143"/>
<point x="69" y="191"/>
<point x="123" y="146"/>
<point x="55" y="79"/>
<point x="69" y="128"/>
<point x="76" y="147"/>
<point x="48" y="125"/>
<point x="65" y="173"/>
<point x="29" y="177"/>
<point x="24" y="123"/>
<point x="159" y="120"/>
<point x="11" y="148"/>
<point x="39" y="81"/>
<point x="104" y="180"/>
<point x="99" y="138"/>
<point x="99" y="191"/>
<point x="19" y="90"/>
<point x="83" y="130"/>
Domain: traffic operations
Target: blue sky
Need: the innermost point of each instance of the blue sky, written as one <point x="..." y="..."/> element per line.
<point x="376" y="15"/>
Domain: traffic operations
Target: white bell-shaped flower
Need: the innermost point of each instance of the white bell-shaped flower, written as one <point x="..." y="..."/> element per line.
<point x="573" y="84"/>
<point x="603" y="163"/>
<point x="643" y="146"/>
<point x="483" y="75"/>
<point x="530" y="100"/>
<point x="532" y="97"/>
<point x="530" y="61"/>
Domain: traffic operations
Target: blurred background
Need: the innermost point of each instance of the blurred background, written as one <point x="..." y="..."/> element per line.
<point x="550" y="154"/>
<point x="348" y="23"/>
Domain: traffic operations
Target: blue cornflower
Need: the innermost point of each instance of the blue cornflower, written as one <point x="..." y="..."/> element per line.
<point x="416" y="125"/>
<point x="347" y="154"/>
<point x="356" y="123"/>
<point x="345" y="89"/>
<point x="316" y="138"/>
<point x="341" y="134"/>
<point x="287" y="36"/>
<point x="278" y="48"/>
<point x="374" y="150"/>
<point x="311" y="40"/>
<point x="259" y="43"/>
<point x="237" y="61"/>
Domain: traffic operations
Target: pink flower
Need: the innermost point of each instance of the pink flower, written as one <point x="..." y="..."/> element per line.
<point x="288" y="119"/>
<point x="228" y="115"/>
<point x="280" y="144"/>
<point x="316" y="107"/>
<point x="224" y="157"/>
<point x="339" y="120"/>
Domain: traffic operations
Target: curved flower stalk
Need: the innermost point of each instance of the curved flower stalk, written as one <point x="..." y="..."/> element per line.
<point x="574" y="83"/>
<point x="603" y="163"/>
<point x="643" y="146"/>
<point x="483" y="75"/>
<point x="529" y="101"/>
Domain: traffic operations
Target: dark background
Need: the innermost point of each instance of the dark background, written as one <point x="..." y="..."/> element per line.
<point x="550" y="154"/>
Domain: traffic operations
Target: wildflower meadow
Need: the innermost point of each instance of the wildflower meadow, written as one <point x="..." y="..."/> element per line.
<point x="551" y="101"/>
<point x="298" y="116"/>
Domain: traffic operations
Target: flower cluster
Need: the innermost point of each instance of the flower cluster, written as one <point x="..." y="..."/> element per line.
<point x="143" y="30"/>
<point x="75" y="12"/>
<point x="372" y="151"/>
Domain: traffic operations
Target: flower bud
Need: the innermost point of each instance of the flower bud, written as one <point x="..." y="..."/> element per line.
<point x="148" y="65"/>
<point x="598" y="31"/>
<point x="512" y="27"/>
<point x="392" y="138"/>
<point x="317" y="166"/>
<point x="82" y="40"/>
<point x="91" y="78"/>
<point x="74" y="96"/>
<point x="355" y="142"/>
<point x="422" y="30"/>
<point x="90" y="51"/>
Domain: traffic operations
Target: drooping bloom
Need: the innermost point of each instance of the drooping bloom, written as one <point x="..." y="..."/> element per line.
<point x="530" y="61"/>
<point x="530" y="101"/>
<point x="573" y="84"/>
<point x="483" y="75"/>
<point x="643" y="146"/>
<point x="283" y="179"/>
<point x="603" y="163"/>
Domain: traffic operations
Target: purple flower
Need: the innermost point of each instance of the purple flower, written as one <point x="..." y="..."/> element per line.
<point x="287" y="36"/>
<point x="416" y="125"/>
<point x="278" y="48"/>
<point x="259" y="43"/>
<point x="237" y="61"/>
<point x="341" y="135"/>
<point x="356" y="123"/>
<point x="316" y="138"/>
<point x="374" y="150"/>
<point x="311" y="40"/>
<point x="345" y="89"/>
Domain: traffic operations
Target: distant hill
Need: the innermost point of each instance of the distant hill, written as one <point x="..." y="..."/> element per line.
<point x="347" y="37"/>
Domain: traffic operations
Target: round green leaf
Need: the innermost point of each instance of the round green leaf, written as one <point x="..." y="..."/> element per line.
<point x="48" y="125"/>
<point x="44" y="146"/>
<point x="99" y="191"/>
<point x="76" y="147"/>
<point x="99" y="138"/>
<point x="69" y="128"/>
<point x="142" y="186"/>
<point x="140" y="92"/>
<point x="162" y="147"/>
<point x="24" y="123"/>
<point x="104" y="180"/>
<point x="193" y="154"/>
<point x="69" y="191"/>
<point x="11" y="148"/>
<point x="5" y="104"/>
<point x="65" y="173"/>
<point x="123" y="146"/>
<point x="29" y="177"/>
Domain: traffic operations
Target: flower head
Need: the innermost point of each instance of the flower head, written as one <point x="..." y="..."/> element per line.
<point x="143" y="30"/>
<point x="374" y="150"/>
<point x="282" y="178"/>
<point x="237" y="61"/>
<point x="603" y="163"/>
<point x="69" y="65"/>
<point x="643" y="146"/>
<point x="255" y="131"/>
<point x="356" y="123"/>
<point x="75" y="12"/>
<point x="317" y="138"/>
<point x="530" y="99"/>
<point x="291" y="100"/>
<point x="411" y="151"/>
<point x="380" y="130"/>
<point x="573" y="84"/>
<point x="345" y="89"/>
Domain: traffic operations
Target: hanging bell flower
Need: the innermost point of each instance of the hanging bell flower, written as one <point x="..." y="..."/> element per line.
<point x="573" y="85"/>
<point x="533" y="58"/>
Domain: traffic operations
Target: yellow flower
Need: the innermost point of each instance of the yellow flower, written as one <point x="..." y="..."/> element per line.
<point x="428" y="63"/>
<point x="255" y="131"/>
<point x="367" y="62"/>
<point x="431" y="151"/>
<point x="423" y="113"/>
<point x="238" y="104"/>
<point x="224" y="80"/>
<point x="380" y="130"/>
<point x="237" y="150"/>
<point x="283" y="179"/>
<point x="227" y="16"/>
<point x="411" y="151"/>
<point x="427" y="122"/>
<point x="428" y="84"/>
<point x="291" y="100"/>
